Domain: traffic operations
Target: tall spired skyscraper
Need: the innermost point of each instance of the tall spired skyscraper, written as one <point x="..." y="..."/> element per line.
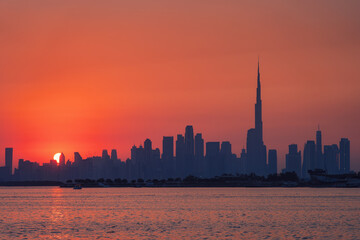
<point x="255" y="148"/>
<point x="258" y="117"/>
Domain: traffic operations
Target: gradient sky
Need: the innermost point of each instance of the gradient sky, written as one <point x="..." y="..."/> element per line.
<point x="89" y="75"/>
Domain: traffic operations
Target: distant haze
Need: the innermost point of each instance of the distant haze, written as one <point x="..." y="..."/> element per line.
<point x="91" y="75"/>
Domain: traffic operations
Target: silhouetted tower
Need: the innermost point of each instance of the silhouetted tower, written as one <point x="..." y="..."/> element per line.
<point x="258" y="110"/>
<point x="251" y="151"/>
<point x="148" y="149"/>
<point x="77" y="157"/>
<point x="319" y="155"/>
<point x="9" y="160"/>
<point x="180" y="155"/>
<point x="105" y="155"/>
<point x="344" y="155"/>
<point x="168" y="147"/>
<point x="189" y="150"/>
<point x="226" y="160"/>
<point x="256" y="150"/>
<point x="154" y="168"/>
<point x="272" y="161"/>
<point x="138" y="160"/>
<point x="147" y="165"/>
<point x="293" y="160"/>
<point x="62" y="159"/>
<point x="309" y="159"/>
<point x="226" y="148"/>
<point x="168" y="156"/>
<point x="200" y="164"/>
<point x="212" y="157"/>
<point x="113" y="155"/>
<point x="331" y="153"/>
<point x="243" y="162"/>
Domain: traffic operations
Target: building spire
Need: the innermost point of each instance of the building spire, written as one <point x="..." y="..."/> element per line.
<point x="258" y="111"/>
<point x="258" y="94"/>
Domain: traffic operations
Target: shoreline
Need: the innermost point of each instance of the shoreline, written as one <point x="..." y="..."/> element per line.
<point x="175" y="185"/>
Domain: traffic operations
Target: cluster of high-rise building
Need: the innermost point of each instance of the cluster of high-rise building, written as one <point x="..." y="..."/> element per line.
<point x="189" y="155"/>
<point x="335" y="159"/>
<point x="189" y="158"/>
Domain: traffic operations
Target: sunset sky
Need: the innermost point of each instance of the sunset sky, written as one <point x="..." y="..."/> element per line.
<point x="91" y="75"/>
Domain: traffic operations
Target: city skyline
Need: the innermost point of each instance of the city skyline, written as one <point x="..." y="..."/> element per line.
<point x="255" y="150"/>
<point x="191" y="155"/>
<point x="254" y="144"/>
<point x="65" y="89"/>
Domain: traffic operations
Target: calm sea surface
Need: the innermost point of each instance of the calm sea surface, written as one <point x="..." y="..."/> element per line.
<point x="179" y="213"/>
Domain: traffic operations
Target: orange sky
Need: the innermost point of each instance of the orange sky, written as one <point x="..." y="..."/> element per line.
<point x="88" y="75"/>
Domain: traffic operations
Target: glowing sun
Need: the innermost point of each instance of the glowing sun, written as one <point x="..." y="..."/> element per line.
<point x="57" y="157"/>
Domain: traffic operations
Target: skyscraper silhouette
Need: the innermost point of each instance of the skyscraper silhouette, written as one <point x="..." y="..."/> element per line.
<point x="212" y="158"/>
<point x="256" y="150"/>
<point x="147" y="160"/>
<point x="189" y="150"/>
<point x="114" y="155"/>
<point x="344" y="155"/>
<point x="9" y="160"/>
<point x="180" y="155"/>
<point x="200" y="164"/>
<point x="258" y="110"/>
<point x="293" y="160"/>
<point x="77" y="157"/>
<point x="309" y="159"/>
<point x="331" y="163"/>
<point x="168" y="156"/>
<point x="272" y="161"/>
<point x="226" y="160"/>
<point x="319" y="155"/>
<point x="105" y="155"/>
<point x="148" y="150"/>
<point x="62" y="159"/>
<point x="243" y="162"/>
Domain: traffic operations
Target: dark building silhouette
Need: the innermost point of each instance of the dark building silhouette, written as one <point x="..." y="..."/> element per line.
<point x="251" y="151"/>
<point x="137" y="162"/>
<point x="154" y="167"/>
<point x="255" y="148"/>
<point x="189" y="151"/>
<point x="309" y="158"/>
<point x="77" y="157"/>
<point x="319" y="155"/>
<point x="62" y="159"/>
<point x="200" y="164"/>
<point x="148" y="150"/>
<point x="180" y="155"/>
<point x="105" y="155"/>
<point x="145" y="162"/>
<point x="113" y="155"/>
<point x="168" y="156"/>
<point x="27" y="171"/>
<point x="212" y="158"/>
<point x="344" y="155"/>
<point x="9" y="160"/>
<point x="331" y="159"/>
<point x="293" y="160"/>
<point x="226" y="164"/>
<point x="242" y="162"/>
<point x="272" y="161"/>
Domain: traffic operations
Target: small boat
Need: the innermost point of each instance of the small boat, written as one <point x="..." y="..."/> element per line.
<point x="77" y="186"/>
